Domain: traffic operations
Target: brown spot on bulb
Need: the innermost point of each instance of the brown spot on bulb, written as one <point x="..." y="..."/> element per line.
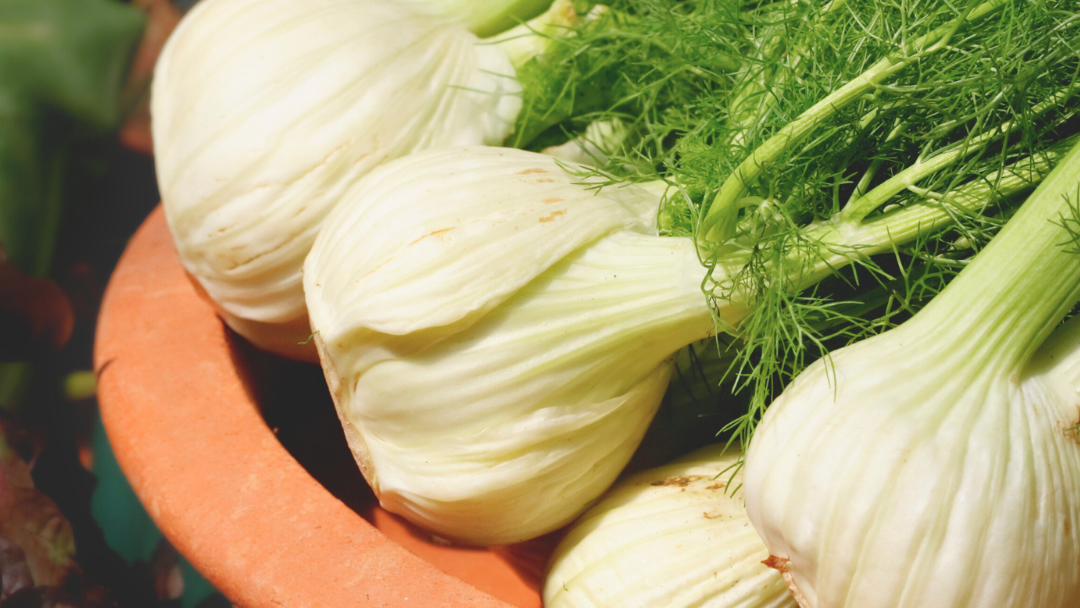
<point x="552" y="217"/>
<point x="679" y="481"/>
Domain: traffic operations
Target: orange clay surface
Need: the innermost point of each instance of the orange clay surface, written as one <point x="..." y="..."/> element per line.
<point x="228" y="477"/>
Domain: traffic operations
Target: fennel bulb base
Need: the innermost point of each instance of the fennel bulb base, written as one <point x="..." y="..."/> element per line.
<point x="289" y="338"/>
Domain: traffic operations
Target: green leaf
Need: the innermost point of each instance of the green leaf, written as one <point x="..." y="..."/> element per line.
<point x="71" y="55"/>
<point x="62" y="66"/>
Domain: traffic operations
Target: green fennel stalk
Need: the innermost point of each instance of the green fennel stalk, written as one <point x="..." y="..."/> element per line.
<point x="983" y="152"/>
<point x="1026" y="280"/>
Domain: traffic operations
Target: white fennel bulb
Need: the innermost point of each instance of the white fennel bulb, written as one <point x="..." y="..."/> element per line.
<point x="265" y="111"/>
<point x="497" y="335"/>
<point x="937" y="465"/>
<point x="674" y="536"/>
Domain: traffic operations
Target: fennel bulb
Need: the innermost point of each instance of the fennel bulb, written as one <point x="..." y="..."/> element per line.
<point x="672" y="536"/>
<point x="264" y="111"/>
<point x="497" y="351"/>
<point x="937" y="465"/>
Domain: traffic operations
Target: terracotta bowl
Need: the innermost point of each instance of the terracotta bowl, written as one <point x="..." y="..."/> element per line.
<point x="240" y="460"/>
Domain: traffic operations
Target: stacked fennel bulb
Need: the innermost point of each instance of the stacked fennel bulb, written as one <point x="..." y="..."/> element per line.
<point x="265" y="111"/>
<point x="497" y="353"/>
